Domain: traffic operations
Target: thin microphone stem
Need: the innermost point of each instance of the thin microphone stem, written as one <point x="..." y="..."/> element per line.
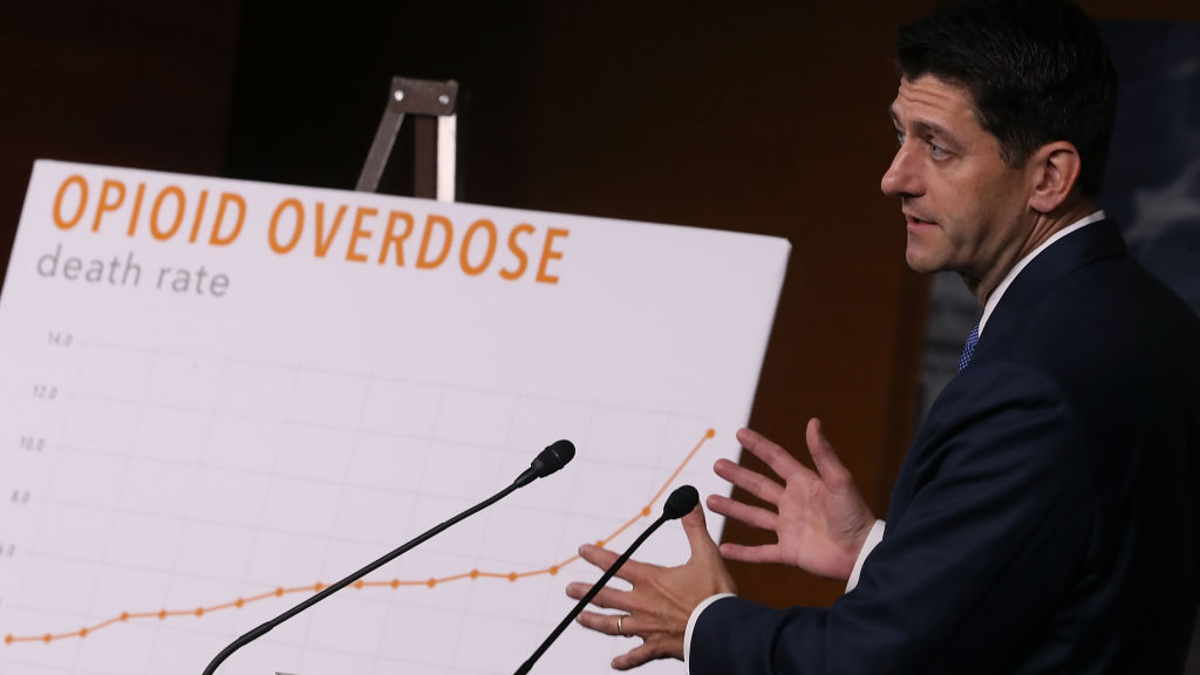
<point x="583" y="602"/>
<point x="355" y="576"/>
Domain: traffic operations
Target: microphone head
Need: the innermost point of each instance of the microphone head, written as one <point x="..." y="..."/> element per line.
<point x="554" y="457"/>
<point x="681" y="502"/>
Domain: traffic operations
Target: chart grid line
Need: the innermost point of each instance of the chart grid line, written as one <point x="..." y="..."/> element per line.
<point x="387" y="379"/>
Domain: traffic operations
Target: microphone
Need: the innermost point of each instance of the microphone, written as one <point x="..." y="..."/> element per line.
<point x="554" y="457"/>
<point x="680" y="503"/>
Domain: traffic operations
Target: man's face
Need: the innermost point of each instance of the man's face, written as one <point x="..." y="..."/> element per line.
<point x="966" y="210"/>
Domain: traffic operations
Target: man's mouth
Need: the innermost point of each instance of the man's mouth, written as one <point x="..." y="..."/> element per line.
<point x="914" y="221"/>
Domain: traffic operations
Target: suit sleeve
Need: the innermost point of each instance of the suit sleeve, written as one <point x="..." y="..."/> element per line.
<point x="994" y="512"/>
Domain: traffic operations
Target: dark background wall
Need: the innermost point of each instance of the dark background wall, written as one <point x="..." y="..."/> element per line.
<point x="759" y="116"/>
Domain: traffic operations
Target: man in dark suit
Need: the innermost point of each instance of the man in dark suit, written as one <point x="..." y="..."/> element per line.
<point x="1046" y="517"/>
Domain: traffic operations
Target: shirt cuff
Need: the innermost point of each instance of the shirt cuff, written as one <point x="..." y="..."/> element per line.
<point x="873" y="538"/>
<point x="691" y="625"/>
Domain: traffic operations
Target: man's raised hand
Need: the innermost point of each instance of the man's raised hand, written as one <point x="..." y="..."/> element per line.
<point x="819" y="519"/>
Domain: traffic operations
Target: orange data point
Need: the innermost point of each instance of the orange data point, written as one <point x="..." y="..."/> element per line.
<point x="553" y="570"/>
<point x="600" y="543"/>
<point x="8" y="639"/>
<point x="83" y="632"/>
<point x="46" y="638"/>
<point x="279" y="592"/>
<point x="162" y="614"/>
<point x="431" y="583"/>
<point x="395" y="583"/>
<point x="239" y="602"/>
<point x="199" y="611"/>
<point x="646" y="511"/>
<point x="358" y="585"/>
<point x="318" y="586"/>
<point x="512" y="576"/>
<point x="124" y="616"/>
<point x="474" y="574"/>
<point x="710" y="433"/>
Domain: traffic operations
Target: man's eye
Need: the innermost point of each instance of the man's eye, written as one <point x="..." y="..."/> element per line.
<point x="900" y="137"/>
<point x="938" y="152"/>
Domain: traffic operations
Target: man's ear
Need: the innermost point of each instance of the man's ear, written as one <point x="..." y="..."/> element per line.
<point x="1056" y="168"/>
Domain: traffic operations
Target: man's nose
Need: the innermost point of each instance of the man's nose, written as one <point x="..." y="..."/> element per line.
<point x="901" y="179"/>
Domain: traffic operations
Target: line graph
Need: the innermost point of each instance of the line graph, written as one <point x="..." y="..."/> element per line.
<point x="395" y="583"/>
<point x="181" y="466"/>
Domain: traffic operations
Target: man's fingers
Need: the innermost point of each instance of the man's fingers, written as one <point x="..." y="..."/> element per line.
<point x="775" y="456"/>
<point x="696" y="530"/>
<point x="604" y="558"/>
<point x="653" y="647"/>
<point x="631" y="624"/>
<point x="753" y="516"/>
<point x="600" y="557"/>
<point x="824" y="458"/>
<point x="605" y="623"/>
<point x="766" y="553"/>
<point x="751" y="481"/>
<point x="608" y="598"/>
<point x="648" y="651"/>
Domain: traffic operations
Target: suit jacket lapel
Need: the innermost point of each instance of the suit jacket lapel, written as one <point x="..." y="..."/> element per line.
<point x="1092" y="242"/>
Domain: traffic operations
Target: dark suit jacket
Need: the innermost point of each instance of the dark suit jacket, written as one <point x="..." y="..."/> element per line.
<point x="1046" y="517"/>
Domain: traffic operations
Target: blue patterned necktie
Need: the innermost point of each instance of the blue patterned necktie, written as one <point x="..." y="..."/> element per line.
<point x="969" y="349"/>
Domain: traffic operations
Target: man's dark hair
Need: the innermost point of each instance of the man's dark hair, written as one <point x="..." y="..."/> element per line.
<point x="1037" y="71"/>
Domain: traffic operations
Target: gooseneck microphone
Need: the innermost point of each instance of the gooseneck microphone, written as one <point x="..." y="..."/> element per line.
<point x="680" y="503"/>
<point x="554" y="457"/>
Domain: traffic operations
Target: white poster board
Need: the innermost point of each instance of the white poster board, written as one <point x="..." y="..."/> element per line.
<point x="219" y="395"/>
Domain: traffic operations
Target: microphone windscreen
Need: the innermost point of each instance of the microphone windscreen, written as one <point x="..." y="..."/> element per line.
<point x="681" y="502"/>
<point x="554" y="457"/>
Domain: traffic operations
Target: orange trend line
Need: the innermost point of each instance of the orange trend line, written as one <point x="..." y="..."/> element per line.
<point x="280" y="591"/>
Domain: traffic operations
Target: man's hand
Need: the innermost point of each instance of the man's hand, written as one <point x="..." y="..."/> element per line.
<point x="820" y="520"/>
<point x="658" y="607"/>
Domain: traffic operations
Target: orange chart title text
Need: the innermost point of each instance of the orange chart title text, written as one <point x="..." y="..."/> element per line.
<point x="356" y="234"/>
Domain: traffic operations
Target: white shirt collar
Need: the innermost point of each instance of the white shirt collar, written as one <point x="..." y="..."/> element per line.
<point x="994" y="298"/>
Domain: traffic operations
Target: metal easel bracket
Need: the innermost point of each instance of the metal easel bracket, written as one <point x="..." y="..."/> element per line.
<point x="434" y="104"/>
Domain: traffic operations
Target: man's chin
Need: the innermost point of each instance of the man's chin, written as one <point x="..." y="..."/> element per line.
<point x="921" y="261"/>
